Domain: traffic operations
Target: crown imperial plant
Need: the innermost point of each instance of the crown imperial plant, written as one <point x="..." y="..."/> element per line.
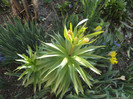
<point x="64" y="61"/>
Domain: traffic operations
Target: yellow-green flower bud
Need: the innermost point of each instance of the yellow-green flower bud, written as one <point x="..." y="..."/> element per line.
<point x="86" y="40"/>
<point x="69" y="36"/>
<point x="70" y="32"/>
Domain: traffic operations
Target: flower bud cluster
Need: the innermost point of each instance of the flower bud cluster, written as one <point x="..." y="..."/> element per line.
<point x="76" y="39"/>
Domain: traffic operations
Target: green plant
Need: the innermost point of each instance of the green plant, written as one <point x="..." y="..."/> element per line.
<point x="130" y="3"/>
<point x="115" y="11"/>
<point x="64" y="7"/>
<point x="63" y="61"/>
<point x="32" y="70"/>
<point x="107" y="86"/>
<point x="67" y="7"/>
<point x="91" y="10"/>
<point x="128" y="82"/>
<point x="4" y="4"/>
<point x="116" y="14"/>
<point x="16" y="36"/>
<point x="47" y="1"/>
<point x="88" y="9"/>
<point x="82" y="9"/>
<point x="112" y="84"/>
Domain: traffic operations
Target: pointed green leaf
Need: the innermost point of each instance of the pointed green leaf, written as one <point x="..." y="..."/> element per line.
<point x="46" y="56"/>
<point x="51" y="81"/>
<point x="53" y="46"/>
<point x="85" y="50"/>
<point x="81" y="22"/>
<point x="60" y="78"/>
<point x="73" y="78"/>
<point x="83" y="75"/>
<point x="21" y="60"/>
<point x="65" y="32"/>
<point x="64" y="85"/>
<point x="24" y="73"/>
<point x="86" y="64"/>
<point x="31" y="80"/>
<point x="54" y="67"/>
<point x="71" y="27"/>
<point x="94" y="34"/>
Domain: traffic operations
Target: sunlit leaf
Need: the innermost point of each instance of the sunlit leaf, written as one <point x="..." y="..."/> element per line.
<point x="81" y="22"/>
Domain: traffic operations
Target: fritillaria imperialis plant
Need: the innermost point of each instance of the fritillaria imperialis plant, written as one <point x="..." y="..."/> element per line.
<point x="65" y="61"/>
<point x="32" y="67"/>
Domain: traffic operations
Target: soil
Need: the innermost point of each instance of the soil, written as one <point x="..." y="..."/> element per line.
<point x="46" y="14"/>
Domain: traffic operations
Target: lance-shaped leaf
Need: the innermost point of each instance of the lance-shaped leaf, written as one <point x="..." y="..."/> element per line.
<point x="73" y="75"/>
<point x="54" y="67"/>
<point x="53" y="46"/>
<point x="94" y="34"/>
<point x="46" y="56"/>
<point x="81" y="22"/>
<point x="85" y="50"/>
<point x="86" y="64"/>
<point x="83" y="75"/>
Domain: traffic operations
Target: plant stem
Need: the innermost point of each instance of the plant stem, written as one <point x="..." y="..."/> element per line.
<point x="71" y="50"/>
